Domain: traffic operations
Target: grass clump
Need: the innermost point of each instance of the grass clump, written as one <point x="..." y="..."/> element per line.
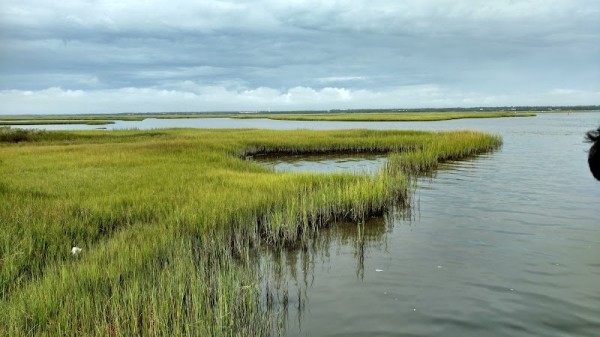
<point x="448" y="146"/>
<point x="168" y="221"/>
<point x="10" y="135"/>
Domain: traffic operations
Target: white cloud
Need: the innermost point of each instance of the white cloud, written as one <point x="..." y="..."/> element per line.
<point x="62" y="101"/>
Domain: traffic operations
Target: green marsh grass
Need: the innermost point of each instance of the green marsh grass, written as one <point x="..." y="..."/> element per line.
<point x="168" y="221"/>
<point x="387" y="116"/>
<point x="54" y="121"/>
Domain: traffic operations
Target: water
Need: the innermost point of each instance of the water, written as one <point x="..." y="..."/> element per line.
<point x="506" y="244"/>
<point x="353" y="163"/>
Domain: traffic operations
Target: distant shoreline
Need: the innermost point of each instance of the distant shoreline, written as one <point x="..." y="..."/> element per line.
<point x="381" y="115"/>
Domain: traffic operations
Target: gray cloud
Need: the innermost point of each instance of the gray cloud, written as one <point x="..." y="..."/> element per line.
<point x="312" y="52"/>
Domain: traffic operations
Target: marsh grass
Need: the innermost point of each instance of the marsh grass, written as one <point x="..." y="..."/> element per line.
<point x="168" y="220"/>
<point x="387" y="116"/>
<point x="10" y="135"/>
<point x="55" y="121"/>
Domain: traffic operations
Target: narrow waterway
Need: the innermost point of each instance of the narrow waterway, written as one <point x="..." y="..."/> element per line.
<point x="353" y="163"/>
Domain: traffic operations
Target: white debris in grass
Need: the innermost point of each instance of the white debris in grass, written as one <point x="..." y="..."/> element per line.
<point x="75" y="251"/>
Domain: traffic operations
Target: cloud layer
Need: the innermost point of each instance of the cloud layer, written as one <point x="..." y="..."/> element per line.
<point x="114" y="56"/>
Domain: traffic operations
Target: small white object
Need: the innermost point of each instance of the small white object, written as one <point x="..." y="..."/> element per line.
<point x="439" y="267"/>
<point x="378" y="270"/>
<point x="75" y="250"/>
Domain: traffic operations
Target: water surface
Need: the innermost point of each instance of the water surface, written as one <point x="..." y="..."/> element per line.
<point x="353" y="163"/>
<point x="506" y="244"/>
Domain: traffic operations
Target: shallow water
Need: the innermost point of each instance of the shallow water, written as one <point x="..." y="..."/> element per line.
<point x="506" y="244"/>
<point x="355" y="163"/>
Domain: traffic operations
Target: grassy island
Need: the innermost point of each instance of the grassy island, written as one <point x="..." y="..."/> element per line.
<point x="168" y="221"/>
<point x="55" y="122"/>
<point x="356" y="116"/>
<point x="386" y="116"/>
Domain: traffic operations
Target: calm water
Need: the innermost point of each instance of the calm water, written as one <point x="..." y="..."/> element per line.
<point x="355" y="163"/>
<point x="507" y="244"/>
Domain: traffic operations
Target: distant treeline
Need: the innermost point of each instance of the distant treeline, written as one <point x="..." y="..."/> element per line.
<point x="142" y="115"/>
<point x="455" y="109"/>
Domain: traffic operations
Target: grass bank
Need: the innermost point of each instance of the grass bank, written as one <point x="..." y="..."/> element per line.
<point x="387" y="116"/>
<point x="54" y="122"/>
<point x="168" y="219"/>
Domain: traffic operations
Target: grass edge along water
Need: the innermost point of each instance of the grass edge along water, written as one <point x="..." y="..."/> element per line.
<point x="168" y="221"/>
<point x="356" y="116"/>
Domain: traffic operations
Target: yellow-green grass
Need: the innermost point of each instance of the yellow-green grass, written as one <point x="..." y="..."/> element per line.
<point x="54" y="121"/>
<point x="387" y="116"/>
<point x="100" y="118"/>
<point x="390" y="116"/>
<point x="31" y="119"/>
<point x="167" y="220"/>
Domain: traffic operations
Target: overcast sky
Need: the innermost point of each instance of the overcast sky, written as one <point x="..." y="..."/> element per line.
<point x="76" y="56"/>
